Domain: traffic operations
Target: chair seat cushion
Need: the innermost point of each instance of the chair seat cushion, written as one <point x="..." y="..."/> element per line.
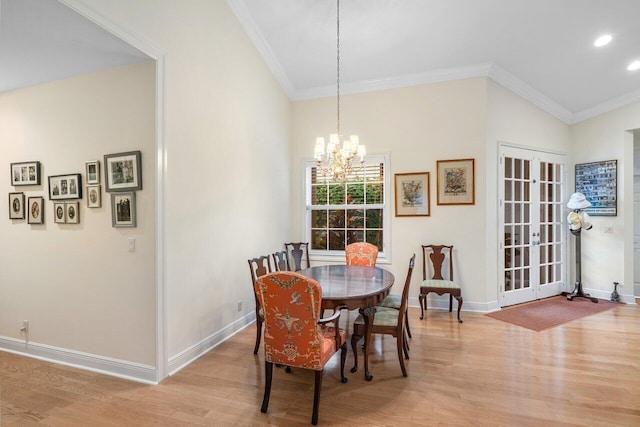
<point x="384" y="316"/>
<point x="391" y="301"/>
<point x="328" y="344"/>
<point x="433" y="283"/>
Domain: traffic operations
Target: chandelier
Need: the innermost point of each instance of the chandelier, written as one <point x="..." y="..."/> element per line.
<point x="335" y="162"/>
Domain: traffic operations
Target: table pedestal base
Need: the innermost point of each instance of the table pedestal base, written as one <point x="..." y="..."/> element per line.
<point x="579" y="293"/>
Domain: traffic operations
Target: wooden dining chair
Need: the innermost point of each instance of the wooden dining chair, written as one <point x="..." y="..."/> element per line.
<point x="438" y="283"/>
<point x="295" y="335"/>
<point x="281" y="261"/>
<point x="387" y="321"/>
<point x="362" y="254"/>
<point x="258" y="266"/>
<point x="298" y="252"/>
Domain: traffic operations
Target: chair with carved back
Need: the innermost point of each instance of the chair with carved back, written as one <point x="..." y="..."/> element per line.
<point x="295" y="335"/>
<point x="281" y="261"/>
<point x="258" y="266"/>
<point x="387" y="321"/>
<point x="361" y="254"/>
<point x="299" y="253"/>
<point x="437" y="254"/>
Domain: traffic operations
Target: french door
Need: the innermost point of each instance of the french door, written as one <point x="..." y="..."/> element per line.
<point x="532" y="227"/>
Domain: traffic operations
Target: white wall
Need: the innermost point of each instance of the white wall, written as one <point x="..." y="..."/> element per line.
<point x="418" y="126"/>
<point x="78" y="285"/>
<point x="512" y="119"/>
<point x="609" y="257"/>
<point x="227" y="124"/>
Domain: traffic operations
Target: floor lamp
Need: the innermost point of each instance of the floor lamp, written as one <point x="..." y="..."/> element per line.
<point x="578" y="220"/>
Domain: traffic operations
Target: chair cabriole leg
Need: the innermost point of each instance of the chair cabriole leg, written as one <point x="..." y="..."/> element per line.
<point x="268" y="370"/>
<point x="316" y="397"/>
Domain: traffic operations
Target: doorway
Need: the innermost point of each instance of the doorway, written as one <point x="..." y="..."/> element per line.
<point x="532" y="230"/>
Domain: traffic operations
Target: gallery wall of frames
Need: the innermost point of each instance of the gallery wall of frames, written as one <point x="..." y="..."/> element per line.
<point x="119" y="173"/>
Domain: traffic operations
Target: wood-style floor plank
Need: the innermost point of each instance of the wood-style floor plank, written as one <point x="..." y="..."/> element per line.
<point x="483" y="372"/>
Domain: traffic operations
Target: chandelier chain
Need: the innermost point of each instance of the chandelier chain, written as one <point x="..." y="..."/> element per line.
<point x="338" y="62"/>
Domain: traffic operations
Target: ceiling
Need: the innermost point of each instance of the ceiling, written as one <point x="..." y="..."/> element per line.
<point x="540" y="49"/>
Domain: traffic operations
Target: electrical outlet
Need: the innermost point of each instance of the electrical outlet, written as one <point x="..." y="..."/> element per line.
<point x="240" y="305"/>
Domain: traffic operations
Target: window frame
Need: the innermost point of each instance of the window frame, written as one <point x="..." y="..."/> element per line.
<point x="384" y="256"/>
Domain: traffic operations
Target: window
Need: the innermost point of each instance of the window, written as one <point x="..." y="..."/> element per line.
<point x="338" y="214"/>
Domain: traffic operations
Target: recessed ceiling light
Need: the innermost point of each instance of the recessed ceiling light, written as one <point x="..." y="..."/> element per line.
<point x="603" y="40"/>
<point x="635" y="65"/>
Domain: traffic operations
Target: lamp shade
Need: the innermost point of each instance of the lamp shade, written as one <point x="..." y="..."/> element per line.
<point x="578" y="201"/>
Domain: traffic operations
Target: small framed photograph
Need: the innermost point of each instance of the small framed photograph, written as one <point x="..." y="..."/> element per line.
<point x="123" y="171"/>
<point x="412" y="194"/>
<point x="123" y="209"/>
<point x="35" y="210"/>
<point x="16" y="205"/>
<point x="59" y="213"/>
<point x="25" y="173"/>
<point x="72" y="212"/>
<point x="93" y="172"/>
<point x="65" y="187"/>
<point x="94" y="196"/>
<point x="456" y="182"/>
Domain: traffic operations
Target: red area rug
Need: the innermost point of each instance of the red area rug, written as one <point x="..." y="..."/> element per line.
<point x="550" y="312"/>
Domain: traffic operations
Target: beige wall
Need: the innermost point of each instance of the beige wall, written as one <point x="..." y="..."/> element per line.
<point x="227" y="124"/>
<point x="417" y="126"/>
<point x="609" y="257"/>
<point x="78" y="285"/>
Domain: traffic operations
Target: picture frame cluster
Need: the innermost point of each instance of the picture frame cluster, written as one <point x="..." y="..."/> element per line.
<point x="122" y="178"/>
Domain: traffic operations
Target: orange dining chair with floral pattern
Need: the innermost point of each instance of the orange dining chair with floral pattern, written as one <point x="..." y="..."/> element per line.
<point x="362" y="254"/>
<point x="294" y="334"/>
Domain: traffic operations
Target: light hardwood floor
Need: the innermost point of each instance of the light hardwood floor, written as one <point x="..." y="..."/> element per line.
<point x="480" y="373"/>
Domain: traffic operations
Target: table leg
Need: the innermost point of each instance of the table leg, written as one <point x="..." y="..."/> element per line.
<point x="368" y="313"/>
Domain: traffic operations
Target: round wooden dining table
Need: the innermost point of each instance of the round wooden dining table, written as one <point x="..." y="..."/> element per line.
<point x="353" y="287"/>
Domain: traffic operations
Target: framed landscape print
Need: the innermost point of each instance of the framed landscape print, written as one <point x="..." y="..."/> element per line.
<point x="65" y="187"/>
<point x="72" y="212"/>
<point x="59" y="213"/>
<point x="25" y="173"/>
<point x="123" y="171"/>
<point x="412" y="194"/>
<point x="123" y="209"/>
<point x="456" y="182"/>
<point x="598" y="181"/>
<point x="35" y="210"/>
<point x="94" y="196"/>
<point x="93" y="172"/>
<point x="16" y="205"/>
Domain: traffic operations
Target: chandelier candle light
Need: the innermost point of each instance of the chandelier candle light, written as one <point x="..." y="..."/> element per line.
<point x="335" y="162"/>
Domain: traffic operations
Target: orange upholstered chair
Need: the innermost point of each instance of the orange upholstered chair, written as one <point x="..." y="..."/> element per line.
<point x="294" y="334"/>
<point x="362" y="254"/>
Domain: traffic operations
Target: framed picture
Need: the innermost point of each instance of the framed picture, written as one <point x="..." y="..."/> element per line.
<point x="35" y="210"/>
<point x="123" y="209"/>
<point x="72" y="212"/>
<point x="16" y="205"/>
<point x="598" y="181"/>
<point x="64" y="187"/>
<point x="93" y="172"/>
<point x="456" y="184"/>
<point x="94" y="196"/>
<point x="123" y="171"/>
<point x="25" y="173"/>
<point x="59" y="213"/>
<point x="412" y="194"/>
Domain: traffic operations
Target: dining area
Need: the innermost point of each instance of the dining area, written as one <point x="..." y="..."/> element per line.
<point x="293" y="297"/>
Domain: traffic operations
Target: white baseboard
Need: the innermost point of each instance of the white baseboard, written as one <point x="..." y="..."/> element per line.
<point x="626" y="298"/>
<point x="441" y="302"/>
<point x="190" y="354"/>
<point x="91" y="362"/>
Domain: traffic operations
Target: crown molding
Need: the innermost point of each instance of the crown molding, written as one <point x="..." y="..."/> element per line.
<point x="435" y="76"/>
<point x="514" y="84"/>
<point x="607" y="106"/>
<point x="241" y="11"/>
